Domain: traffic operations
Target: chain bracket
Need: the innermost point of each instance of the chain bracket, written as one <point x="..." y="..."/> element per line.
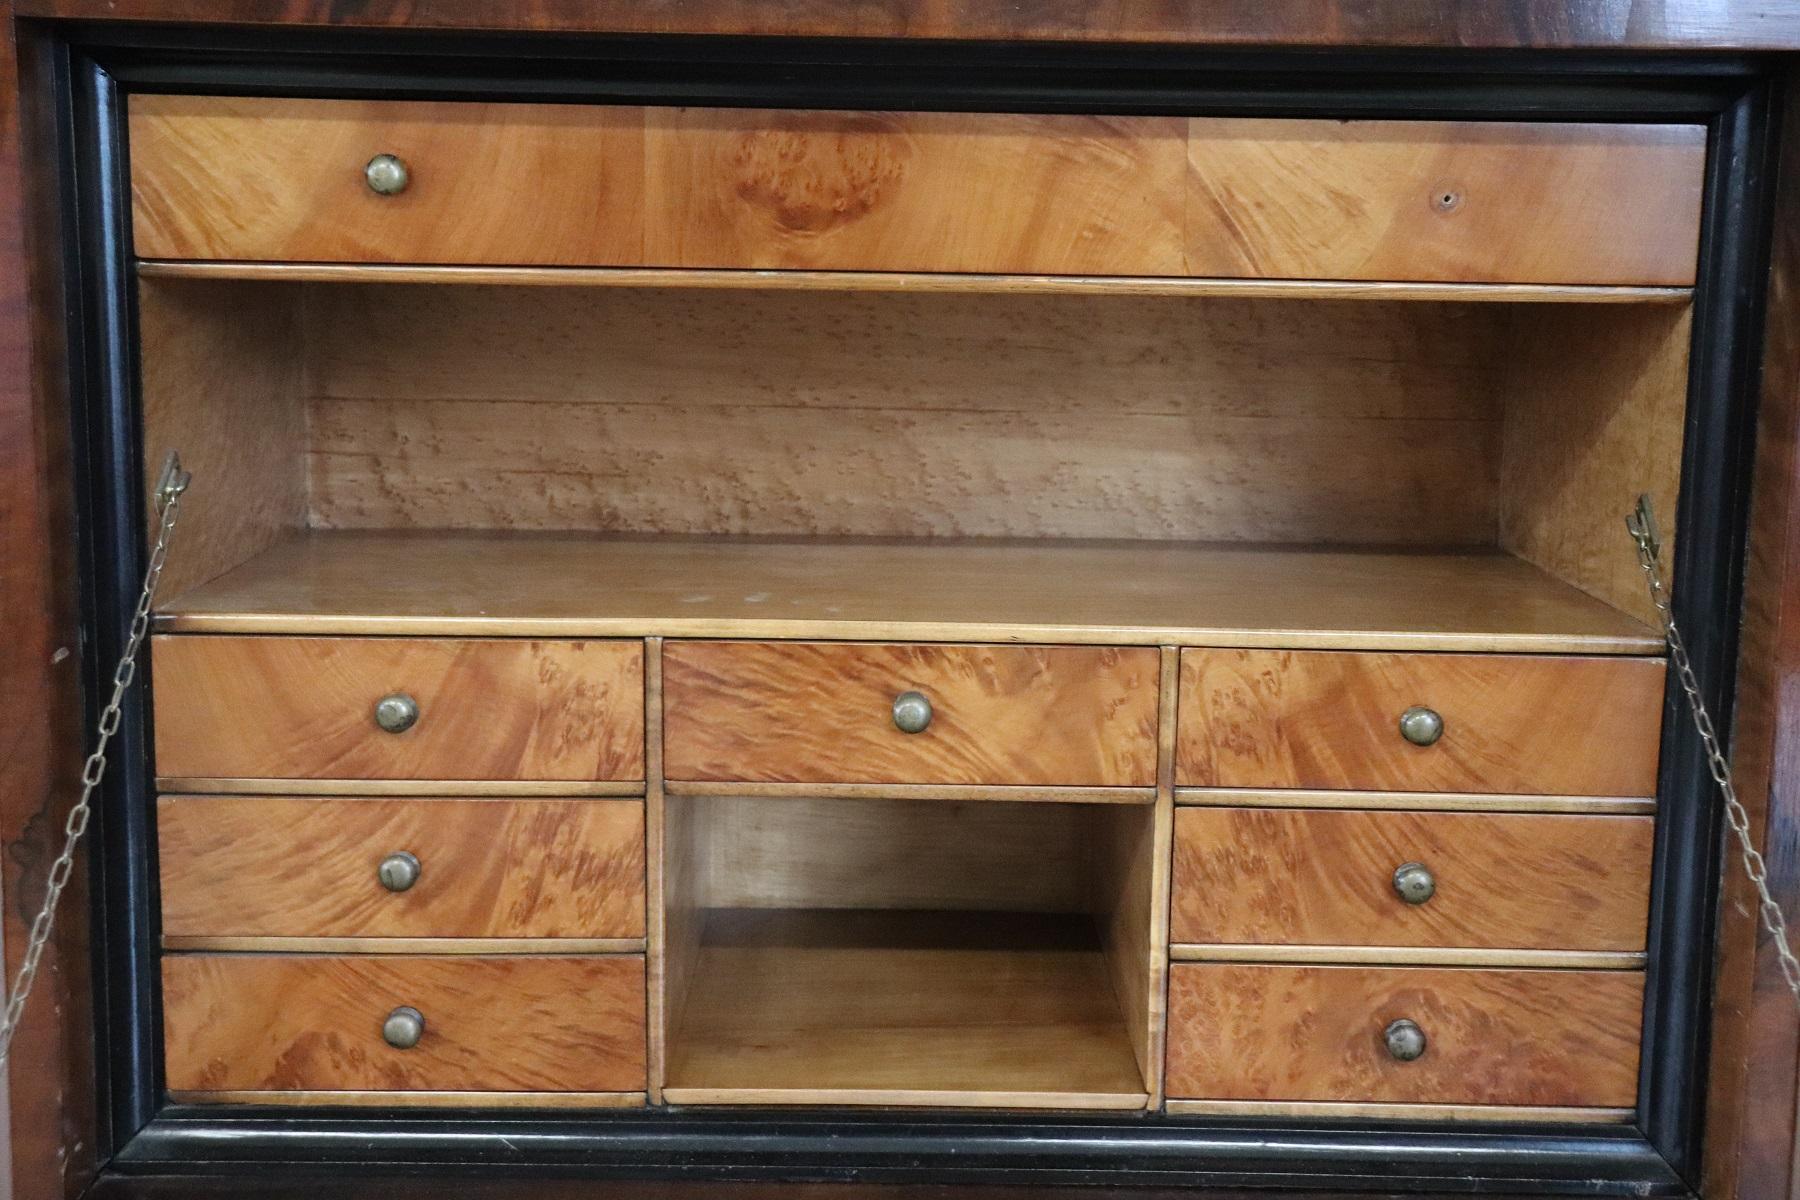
<point x="1641" y="523"/>
<point x="170" y="486"/>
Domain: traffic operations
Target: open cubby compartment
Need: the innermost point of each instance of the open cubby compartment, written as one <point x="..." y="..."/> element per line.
<point x="910" y="952"/>
<point x="470" y="457"/>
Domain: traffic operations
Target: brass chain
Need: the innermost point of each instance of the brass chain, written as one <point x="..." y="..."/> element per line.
<point x="1642" y="524"/>
<point x="173" y="482"/>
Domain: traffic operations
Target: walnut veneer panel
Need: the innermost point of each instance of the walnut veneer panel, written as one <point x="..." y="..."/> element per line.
<point x="313" y="1023"/>
<point x="822" y="712"/>
<point x="1317" y="877"/>
<point x="1476" y="201"/>
<point x="300" y="707"/>
<point x="1263" y="1032"/>
<point x="267" y="178"/>
<point x="1512" y="723"/>
<point x="262" y="866"/>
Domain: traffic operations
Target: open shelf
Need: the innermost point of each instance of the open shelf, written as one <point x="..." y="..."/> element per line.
<point x="981" y="1009"/>
<point x="524" y="584"/>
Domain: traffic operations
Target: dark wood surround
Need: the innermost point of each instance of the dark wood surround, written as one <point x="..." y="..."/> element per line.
<point x="60" y="1119"/>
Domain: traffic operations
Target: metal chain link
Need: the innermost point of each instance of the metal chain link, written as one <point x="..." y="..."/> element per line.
<point x="172" y="483"/>
<point x="1642" y="524"/>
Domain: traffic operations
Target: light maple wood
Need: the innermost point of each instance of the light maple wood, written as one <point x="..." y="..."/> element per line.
<point x="1593" y="419"/>
<point x="1503" y="200"/>
<point x="281" y="179"/>
<point x="268" y="178"/>
<point x="312" y="1023"/>
<point x="489" y="709"/>
<point x="1319" y="877"/>
<point x="902" y="1009"/>
<point x="221" y="382"/>
<point x="1513" y="724"/>
<point x="540" y="946"/>
<point x="1535" y="1114"/>
<point x="1415" y="801"/>
<point x="1001" y="715"/>
<point x="1137" y="593"/>
<point x="522" y="1100"/>
<point x="909" y="281"/>
<point x="306" y="867"/>
<point x="1290" y="1033"/>
<point x="1404" y="956"/>
<point x="828" y="414"/>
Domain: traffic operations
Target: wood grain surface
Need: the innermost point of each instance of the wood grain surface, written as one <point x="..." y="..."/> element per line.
<point x="796" y="1007"/>
<point x="1512" y="723"/>
<point x="1316" y="877"/>
<point x="890" y="415"/>
<point x="313" y="1023"/>
<point x="800" y="712"/>
<point x="1120" y="593"/>
<point x="1251" y="1032"/>
<point x="281" y="179"/>
<point x="306" y="867"/>
<point x="488" y="709"/>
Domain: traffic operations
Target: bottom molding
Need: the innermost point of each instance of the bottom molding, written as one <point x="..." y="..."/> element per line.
<point x="540" y="1100"/>
<point x="1304" y="1110"/>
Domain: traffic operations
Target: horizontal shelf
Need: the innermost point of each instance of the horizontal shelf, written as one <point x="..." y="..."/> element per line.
<point x="963" y="1009"/>
<point x="1434" y="956"/>
<point x="403" y="1099"/>
<point x="236" y="944"/>
<point x="902" y="281"/>
<point x="1411" y="801"/>
<point x="1303" y="1110"/>
<point x="581" y="585"/>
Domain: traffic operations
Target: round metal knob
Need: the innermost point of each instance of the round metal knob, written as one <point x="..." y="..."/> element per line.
<point x="912" y="712"/>
<point x="403" y="1028"/>
<point x="1421" y="726"/>
<point x="397" y="713"/>
<point x="398" y="871"/>
<point x="1413" y="883"/>
<point x="386" y="175"/>
<point x="1405" y="1040"/>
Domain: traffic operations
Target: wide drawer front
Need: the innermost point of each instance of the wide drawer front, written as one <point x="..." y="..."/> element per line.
<point x="1523" y="724"/>
<point x="546" y="184"/>
<point x="1300" y="877"/>
<point x="398" y="708"/>
<point x="237" y="866"/>
<point x="1342" y="1034"/>
<point x="812" y="712"/>
<point x="319" y="1023"/>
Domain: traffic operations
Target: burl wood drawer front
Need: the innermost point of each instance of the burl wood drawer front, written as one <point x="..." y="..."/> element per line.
<point x="254" y="1022"/>
<point x="1516" y="724"/>
<point x="813" y="712"/>
<point x="487" y="709"/>
<point x="260" y="866"/>
<point x="1313" y="877"/>
<point x="571" y="185"/>
<point x="1516" y="1037"/>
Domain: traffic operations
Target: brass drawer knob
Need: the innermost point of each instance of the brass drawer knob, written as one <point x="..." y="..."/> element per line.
<point x="1421" y="726"/>
<point x="912" y="712"/>
<point x="403" y="1028"/>
<point x="1413" y="882"/>
<point x="386" y="175"/>
<point x="1405" y="1040"/>
<point x="397" y="713"/>
<point x="398" y="871"/>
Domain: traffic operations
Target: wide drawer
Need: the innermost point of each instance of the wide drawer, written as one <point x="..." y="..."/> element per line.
<point x="312" y="708"/>
<point x="256" y="866"/>
<point x="1300" y="877"/>
<point x="598" y="185"/>
<point x="1504" y="723"/>
<point x="813" y="712"/>
<point x="316" y="1023"/>
<point x="1515" y="1037"/>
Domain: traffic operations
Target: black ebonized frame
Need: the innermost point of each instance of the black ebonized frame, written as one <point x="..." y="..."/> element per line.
<point x="144" y="1138"/>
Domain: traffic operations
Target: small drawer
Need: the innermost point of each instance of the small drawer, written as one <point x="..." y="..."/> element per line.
<point x="243" y="866"/>
<point x="809" y="712"/>
<point x="1344" y="1034"/>
<point x="1313" y="877"/>
<point x="1501" y="723"/>
<point x="236" y="1023"/>
<point x="398" y="708"/>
